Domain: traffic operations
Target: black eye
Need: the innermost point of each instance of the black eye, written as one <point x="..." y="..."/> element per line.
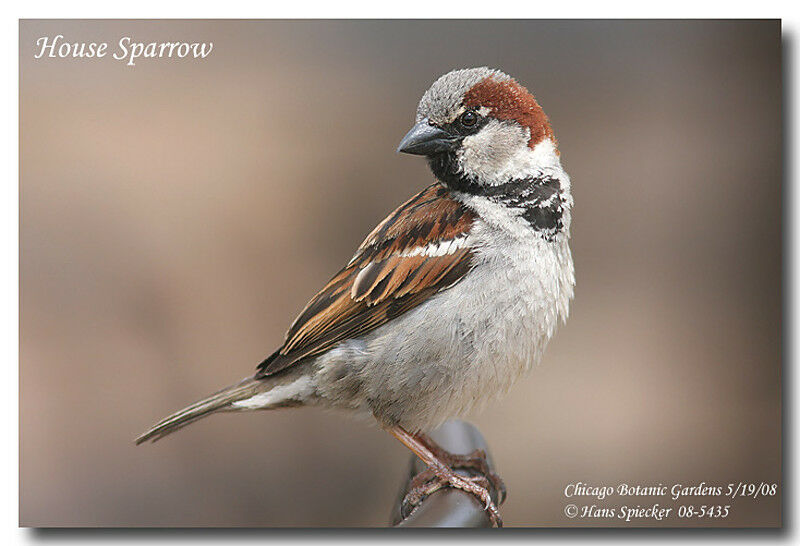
<point x="469" y="118"/>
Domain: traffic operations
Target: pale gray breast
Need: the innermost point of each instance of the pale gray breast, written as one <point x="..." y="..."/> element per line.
<point x="466" y="345"/>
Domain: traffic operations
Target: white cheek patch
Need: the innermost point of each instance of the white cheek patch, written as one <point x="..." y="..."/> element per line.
<point x="297" y="390"/>
<point x="488" y="154"/>
<point x="498" y="154"/>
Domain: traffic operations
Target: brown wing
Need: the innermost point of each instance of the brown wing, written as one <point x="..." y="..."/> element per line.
<point x="417" y="251"/>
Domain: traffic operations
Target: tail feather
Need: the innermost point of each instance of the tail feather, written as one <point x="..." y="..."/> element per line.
<point x="219" y="401"/>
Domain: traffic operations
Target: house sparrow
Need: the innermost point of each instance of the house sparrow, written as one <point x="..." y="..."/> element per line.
<point x="450" y="299"/>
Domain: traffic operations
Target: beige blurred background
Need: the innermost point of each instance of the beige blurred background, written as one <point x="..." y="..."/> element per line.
<point x="176" y="216"/>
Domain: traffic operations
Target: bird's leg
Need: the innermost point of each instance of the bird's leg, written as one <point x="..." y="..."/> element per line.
<point x="439" y="474"/>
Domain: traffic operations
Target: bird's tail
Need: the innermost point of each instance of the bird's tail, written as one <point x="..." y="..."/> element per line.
<point x="223" y="400"/>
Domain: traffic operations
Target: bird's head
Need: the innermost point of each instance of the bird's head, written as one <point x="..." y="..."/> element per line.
<point x="478" y="126"/>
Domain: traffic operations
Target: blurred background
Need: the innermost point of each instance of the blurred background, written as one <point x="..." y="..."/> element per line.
<point x="178" y="214"/>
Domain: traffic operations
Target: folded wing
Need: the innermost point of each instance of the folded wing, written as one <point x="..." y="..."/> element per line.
<point x="420" y="249"/>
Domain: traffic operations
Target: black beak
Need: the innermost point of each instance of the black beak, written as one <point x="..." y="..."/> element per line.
<point x="427" y="139"/>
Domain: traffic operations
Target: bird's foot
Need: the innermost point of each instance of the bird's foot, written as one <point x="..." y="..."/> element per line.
<point x="440" y="472"/>
<point x="475" y="461"/>
<point x="438" y="476"/>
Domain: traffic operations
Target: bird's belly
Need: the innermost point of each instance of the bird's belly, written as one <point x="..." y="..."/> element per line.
<point x="460" y="349"/>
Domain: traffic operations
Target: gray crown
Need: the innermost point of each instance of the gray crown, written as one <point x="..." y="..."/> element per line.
<point x="441" y="102"/>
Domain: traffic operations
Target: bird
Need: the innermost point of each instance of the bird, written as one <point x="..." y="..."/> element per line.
<point x="449" y="300"/>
